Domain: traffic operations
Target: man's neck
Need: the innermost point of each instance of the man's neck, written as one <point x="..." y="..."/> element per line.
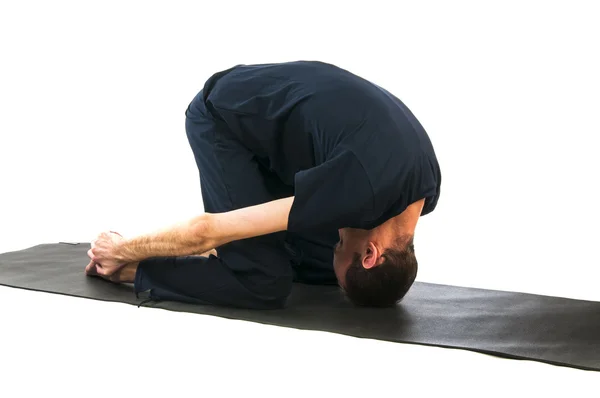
<point x="404" y="224"/>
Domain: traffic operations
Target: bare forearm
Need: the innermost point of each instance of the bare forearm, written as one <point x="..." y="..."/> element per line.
<point x="208" y="231"/>
<point x="187" y="238"/>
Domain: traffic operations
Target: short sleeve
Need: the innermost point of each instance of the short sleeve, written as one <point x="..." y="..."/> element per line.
<point x="336" y="194"/>
<point x="418" y="179"/>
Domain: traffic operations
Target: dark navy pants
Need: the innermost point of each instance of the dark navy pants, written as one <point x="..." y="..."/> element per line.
<point x="251" y="273"/>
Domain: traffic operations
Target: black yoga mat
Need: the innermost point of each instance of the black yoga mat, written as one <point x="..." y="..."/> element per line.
<point x="513" y="325"/>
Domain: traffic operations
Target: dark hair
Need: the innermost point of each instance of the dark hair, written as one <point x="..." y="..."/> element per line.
<point x="385" y="284"/>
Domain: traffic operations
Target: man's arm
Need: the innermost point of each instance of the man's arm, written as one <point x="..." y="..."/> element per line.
<point x="206" y="232"/>
<point x="206" y="253"/>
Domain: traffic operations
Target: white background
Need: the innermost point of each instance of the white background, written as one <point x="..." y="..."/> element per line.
<point x="92" y="101"/>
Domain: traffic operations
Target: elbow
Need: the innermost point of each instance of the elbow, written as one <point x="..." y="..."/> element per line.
<point x="202" y="233"/>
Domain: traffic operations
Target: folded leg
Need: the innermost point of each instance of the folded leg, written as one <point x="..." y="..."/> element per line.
<point x="252" y="273"/>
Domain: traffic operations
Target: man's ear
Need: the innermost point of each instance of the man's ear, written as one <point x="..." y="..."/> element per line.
<point x="371" y="257"/>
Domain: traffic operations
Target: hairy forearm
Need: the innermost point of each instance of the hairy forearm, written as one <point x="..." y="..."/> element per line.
<point x="187" y="238"/>
<point x="208" y="231"/>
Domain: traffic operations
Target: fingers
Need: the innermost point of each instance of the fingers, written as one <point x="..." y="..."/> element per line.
<point x="101" y="261"/>
<point x="91" y="255"/>
<point x="102" y="271"/>
<point x="107" y="269"/>
<point x="90" y="269"/>
<point x="96" y="255"/>
<point x="95" y="269"/>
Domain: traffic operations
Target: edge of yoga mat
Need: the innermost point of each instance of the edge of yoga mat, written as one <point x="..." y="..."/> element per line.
<point x="301" y="309"/>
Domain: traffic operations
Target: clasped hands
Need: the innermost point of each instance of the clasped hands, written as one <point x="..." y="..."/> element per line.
<point x="103" y="256"/>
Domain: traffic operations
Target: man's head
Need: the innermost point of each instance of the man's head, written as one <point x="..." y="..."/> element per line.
<point x="374" y="269"/>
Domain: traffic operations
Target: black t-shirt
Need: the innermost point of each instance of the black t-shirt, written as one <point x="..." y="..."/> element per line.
<point x="354" y="153"/>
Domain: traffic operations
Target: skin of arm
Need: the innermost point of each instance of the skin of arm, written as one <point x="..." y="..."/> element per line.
<point x="207" y="253"/>
<point x="207" y="231"/>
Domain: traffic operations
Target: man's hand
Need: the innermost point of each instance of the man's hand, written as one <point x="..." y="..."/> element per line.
<point x="125" y="274"/>
<point x="104" y="254"/>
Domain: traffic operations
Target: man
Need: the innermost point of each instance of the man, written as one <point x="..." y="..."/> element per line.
<point x="308" y="173"/>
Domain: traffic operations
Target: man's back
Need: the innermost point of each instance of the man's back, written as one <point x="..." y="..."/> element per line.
<point x="290" y="115"/>
<point x="329" y="134"/>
